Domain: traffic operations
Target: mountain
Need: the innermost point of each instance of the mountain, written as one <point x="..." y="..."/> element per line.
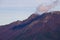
<point x="36" y="27"/>
<point x="11" y="24"/>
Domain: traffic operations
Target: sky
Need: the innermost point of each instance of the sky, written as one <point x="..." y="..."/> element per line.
<point x="13" y="10"/>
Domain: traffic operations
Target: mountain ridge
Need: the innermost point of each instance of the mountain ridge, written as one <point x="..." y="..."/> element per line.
<point x="36" y="27"/>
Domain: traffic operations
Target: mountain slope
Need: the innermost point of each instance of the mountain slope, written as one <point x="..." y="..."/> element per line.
<point x="36" y="27"/>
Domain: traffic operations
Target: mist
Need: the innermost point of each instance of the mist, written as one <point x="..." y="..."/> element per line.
<point x="44" y="8"/>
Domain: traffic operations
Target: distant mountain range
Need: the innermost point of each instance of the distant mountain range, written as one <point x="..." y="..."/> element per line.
<point x="36" y="27"/>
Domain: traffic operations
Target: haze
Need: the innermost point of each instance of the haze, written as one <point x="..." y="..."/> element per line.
<point x="12" y="10"/>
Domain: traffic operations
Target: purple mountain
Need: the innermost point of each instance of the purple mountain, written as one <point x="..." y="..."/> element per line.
<point x="36" y="27"/>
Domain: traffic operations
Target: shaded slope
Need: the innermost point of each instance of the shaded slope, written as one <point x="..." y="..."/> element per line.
<point x="29" y="21"/>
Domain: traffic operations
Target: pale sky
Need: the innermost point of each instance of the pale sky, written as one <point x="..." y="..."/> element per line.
<point x="12" y="10"/>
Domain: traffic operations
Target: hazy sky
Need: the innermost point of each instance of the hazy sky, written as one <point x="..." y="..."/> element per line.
<point x="12" y="10"/>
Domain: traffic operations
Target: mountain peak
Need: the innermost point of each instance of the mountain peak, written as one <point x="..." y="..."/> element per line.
<point x="35" y="17"/>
